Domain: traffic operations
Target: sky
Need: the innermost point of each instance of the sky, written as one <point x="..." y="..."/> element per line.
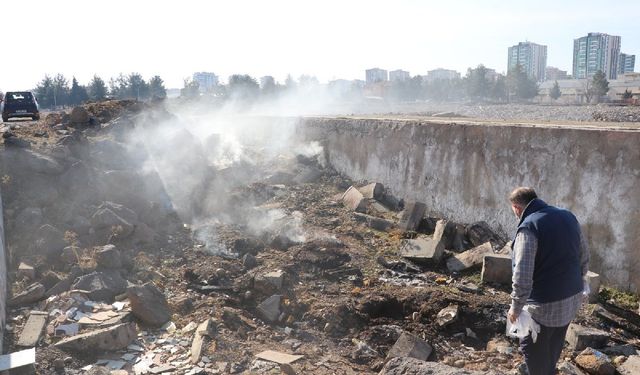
<point x="327" y="39"/>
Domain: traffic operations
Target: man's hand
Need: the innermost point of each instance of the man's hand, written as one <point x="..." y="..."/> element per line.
<point x="512" y="315"/>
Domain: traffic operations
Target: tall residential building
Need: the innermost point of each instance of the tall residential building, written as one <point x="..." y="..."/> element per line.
<point x="596" y="51"/>
<point x="626" y="63"/>
<point x="206" y="81"/>
<point x="531" y="57"/>
<point x="376" y="75"/>
<point x="446" y="74"/>
<point x="399" y="75"/>
<point x="554" y="74"/>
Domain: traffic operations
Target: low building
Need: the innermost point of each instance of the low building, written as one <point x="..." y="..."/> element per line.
<point x="445" y="74"/>
<point x="554" y="74"/>
<point x="573" y="91"/>
<point x="375" y="75"/>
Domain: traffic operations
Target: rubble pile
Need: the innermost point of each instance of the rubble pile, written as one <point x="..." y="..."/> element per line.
<point x="278" y="267"/>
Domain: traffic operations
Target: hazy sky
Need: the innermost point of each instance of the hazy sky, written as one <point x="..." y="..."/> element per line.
<point x="328" y="39"/>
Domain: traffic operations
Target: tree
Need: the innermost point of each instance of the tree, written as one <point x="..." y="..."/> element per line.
<point x="60" y="90"/>
<point x="119" y="87"/>
<point x="477" y="83"/>
<point x="156" y="88"/>
<point x="555" y="93"/>
<point x="191" y="89"/>
<point x="587" y="90"/>
<point x="44" y="92"/>
<point x="290" y="83"/>
<point x="267" y="86"/>
<point x="520" y="85"/>
<point x="499" y="88"/>
<point x="137" y="87"/>
<point x="97" y="89"/>
<point x="78" y="94"/>
<point x="600" y="85"/>
<point x="243" y="87"/>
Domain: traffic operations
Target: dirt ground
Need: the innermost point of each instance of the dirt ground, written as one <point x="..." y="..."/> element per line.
<point x="346" y="295"/>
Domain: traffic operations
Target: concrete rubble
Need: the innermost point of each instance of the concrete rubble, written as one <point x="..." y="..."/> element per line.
<point x="267" y="265"/>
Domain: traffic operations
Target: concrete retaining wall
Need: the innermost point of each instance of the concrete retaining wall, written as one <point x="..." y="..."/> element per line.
<point x="3" y="277"/>
<point x="464" y="172"/>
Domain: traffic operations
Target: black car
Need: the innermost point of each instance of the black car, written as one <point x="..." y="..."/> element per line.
<point x="19" y="104"/>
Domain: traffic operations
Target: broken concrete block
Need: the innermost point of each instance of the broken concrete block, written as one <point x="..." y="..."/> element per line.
<point x="631" y="366"/>
<point x="593" y="280"/>
<point x="625" y="350"/>
<point x="149" y="304"/>
<point x="276" y="278"/>
<point x="108" y="257"/>
<point x="32" y="330"/>
<point x="422" y="250"/>
<point x="19" y="359"/>
<point x="249" y="261"/>
<point x="373" y="222"/>
<point x="447" y="315"/>
<point x="410" y="346"/>
<point x="49" y="240"/>
<point x="108" y="339"/>
<point x="354" y="200"/>
<point x="102" y="286"/>
<point x="198" y="339"/>
<point x="25" y="270"/>
<point x="469" y="258"/>
<point x="278" y="357"/>
<point x="270" y="308"/>
<point x="64" y="284"/>
<point x="496" y="268"/>
<point x="480" y="232"/>
<point x="411" y="216"/>
<point x="33" y="293"/>
<point x="374" y="190"/>
<point x="595" y="362"/>
<point x="580" y="337"/>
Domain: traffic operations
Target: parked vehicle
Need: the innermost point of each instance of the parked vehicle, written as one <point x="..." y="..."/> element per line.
<point x="19" y="104"/>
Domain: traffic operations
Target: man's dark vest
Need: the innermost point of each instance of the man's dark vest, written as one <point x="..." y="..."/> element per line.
<point x="557" y="272"/>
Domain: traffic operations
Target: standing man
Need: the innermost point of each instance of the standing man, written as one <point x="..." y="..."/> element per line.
<point x="549" y="260"/>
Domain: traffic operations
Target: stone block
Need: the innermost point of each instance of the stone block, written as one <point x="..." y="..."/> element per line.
<point x="631" y="366"/>
<point x="408" y="345"/>
<point x="354" y="200"/>
<point x="470" y="258"/>
<point x="374" y="190"/>
<point x="412" y="366"/>
<point x="411" y="216"/>
<point x="26" y="270"/>
<point x="33" y="293"/>
<point x="373" y="222"/>
<point x="496" y="268"/>
<point x="107" y="339"/>
<point x="270" y="308"/>
<point x="422" y="250"/>
<point x="580" y="337"/>
<point x="149" y="304"/>
<point x="199" y="336"/>
<point x="593" y="280"/>
<point x="108" y="257"/>
<point x="595" y="362"/>
<point x="102" y="286"/>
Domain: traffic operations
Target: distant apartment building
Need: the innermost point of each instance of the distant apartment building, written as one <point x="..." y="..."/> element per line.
<point x="376" y="75"/>
<point x="552" y="73"/>
<point x="206" y="81"/>
<point x="626" y="63"/>
<point x="531" y="57"/>
<point x="441" y="74"/>
<point x="596" y="51"/>
<point x="399" y="75"/>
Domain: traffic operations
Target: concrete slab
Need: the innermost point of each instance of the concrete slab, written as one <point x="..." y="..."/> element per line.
<point x="17" y="359"/>
<point x="422" y="250"/>
<point x="278" y="357"/>
<point x="199" y="338"/>
<point x="580" y="337"/>
<point x="470" y="258"/>
<point x="373" y="190"/>
<point x="270" y="308"/>
<point x="631" y="366"/>
<point x="33" y="329"/>
<point x="108" y="339"/>
<point x="496" y="268"/>
<point x="411" y="216"/>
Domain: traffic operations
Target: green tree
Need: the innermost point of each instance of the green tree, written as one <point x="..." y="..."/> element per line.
<point x="290" y="83"/>
<point x="156" y="88"/>
<point x="477" y="84"/>
<point x="190" y="90"/>
<point x="44" y="92"/>
<point x="78" y="93"/>
<point x="520" y="85"/>
<point x="119" y="86"/>
<point x="60" y="90"/>
<point x="243" y="87"/>
<point x="137" y="87"/>
<point x="499" y="88"/>
<point x="97" y="89"/>
<point x="267" y="86"/>
<point x="555" y="93"/>
<point x="599" y="84"/>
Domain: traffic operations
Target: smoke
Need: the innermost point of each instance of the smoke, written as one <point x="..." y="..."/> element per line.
<point x="220" y="166"/>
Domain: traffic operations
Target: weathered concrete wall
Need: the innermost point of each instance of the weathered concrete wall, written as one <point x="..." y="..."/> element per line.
<point x="464" y="171"/>
<point x="3" y="277"/>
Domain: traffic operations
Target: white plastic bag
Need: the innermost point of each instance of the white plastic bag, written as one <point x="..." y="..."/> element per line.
<point x="523" y="326"/>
